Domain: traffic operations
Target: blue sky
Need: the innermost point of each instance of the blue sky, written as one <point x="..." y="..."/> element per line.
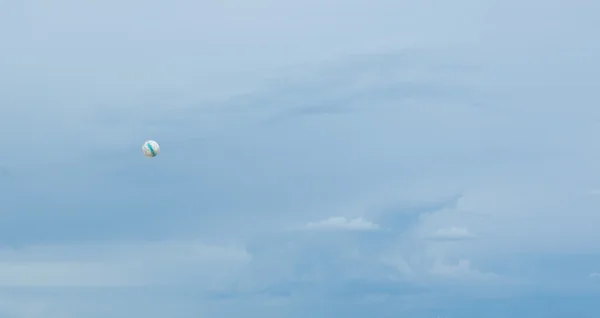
<point x="319" y="159"/>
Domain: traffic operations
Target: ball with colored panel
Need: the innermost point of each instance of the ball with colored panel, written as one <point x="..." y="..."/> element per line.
<point x="150" y="148"/>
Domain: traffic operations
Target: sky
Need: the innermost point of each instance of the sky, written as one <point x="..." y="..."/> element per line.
<point x="424" y="159"/>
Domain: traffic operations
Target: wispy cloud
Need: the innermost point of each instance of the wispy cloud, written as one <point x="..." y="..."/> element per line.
<point x="452" y="234"/>
<point x="117" y="265"/>
<point x="342" y="223"/>
<point x="462" y="269"/>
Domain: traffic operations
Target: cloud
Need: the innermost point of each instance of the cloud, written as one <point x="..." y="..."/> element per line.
<point x="118" y="265"/>
<point x="595" y="275"/>
<point x="452" y="234"/>
<point x="462" y="269"/>
<point x="342" y="223"/>
<point x="381" y="134"/>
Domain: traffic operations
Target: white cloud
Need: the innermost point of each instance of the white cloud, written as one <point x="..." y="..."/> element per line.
<point x="595" y="275"/>
<point x="461" y="270"/>
<point x="342" y="223"/>
<point x="452" y="234"/>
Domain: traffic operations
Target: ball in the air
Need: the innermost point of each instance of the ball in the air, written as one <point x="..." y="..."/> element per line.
<point x="150" y="148"/>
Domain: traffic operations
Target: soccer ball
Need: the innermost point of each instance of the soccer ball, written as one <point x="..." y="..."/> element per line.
<point x="150" y="148"/>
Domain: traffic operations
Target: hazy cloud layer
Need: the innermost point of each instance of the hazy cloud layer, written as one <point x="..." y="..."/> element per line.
<point x="319" y="159"/>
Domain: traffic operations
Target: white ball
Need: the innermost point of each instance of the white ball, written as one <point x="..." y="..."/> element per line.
<point x="150" y="148"/>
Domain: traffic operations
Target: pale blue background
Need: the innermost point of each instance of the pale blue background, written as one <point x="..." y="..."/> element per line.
<point x="358" y="158"/>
